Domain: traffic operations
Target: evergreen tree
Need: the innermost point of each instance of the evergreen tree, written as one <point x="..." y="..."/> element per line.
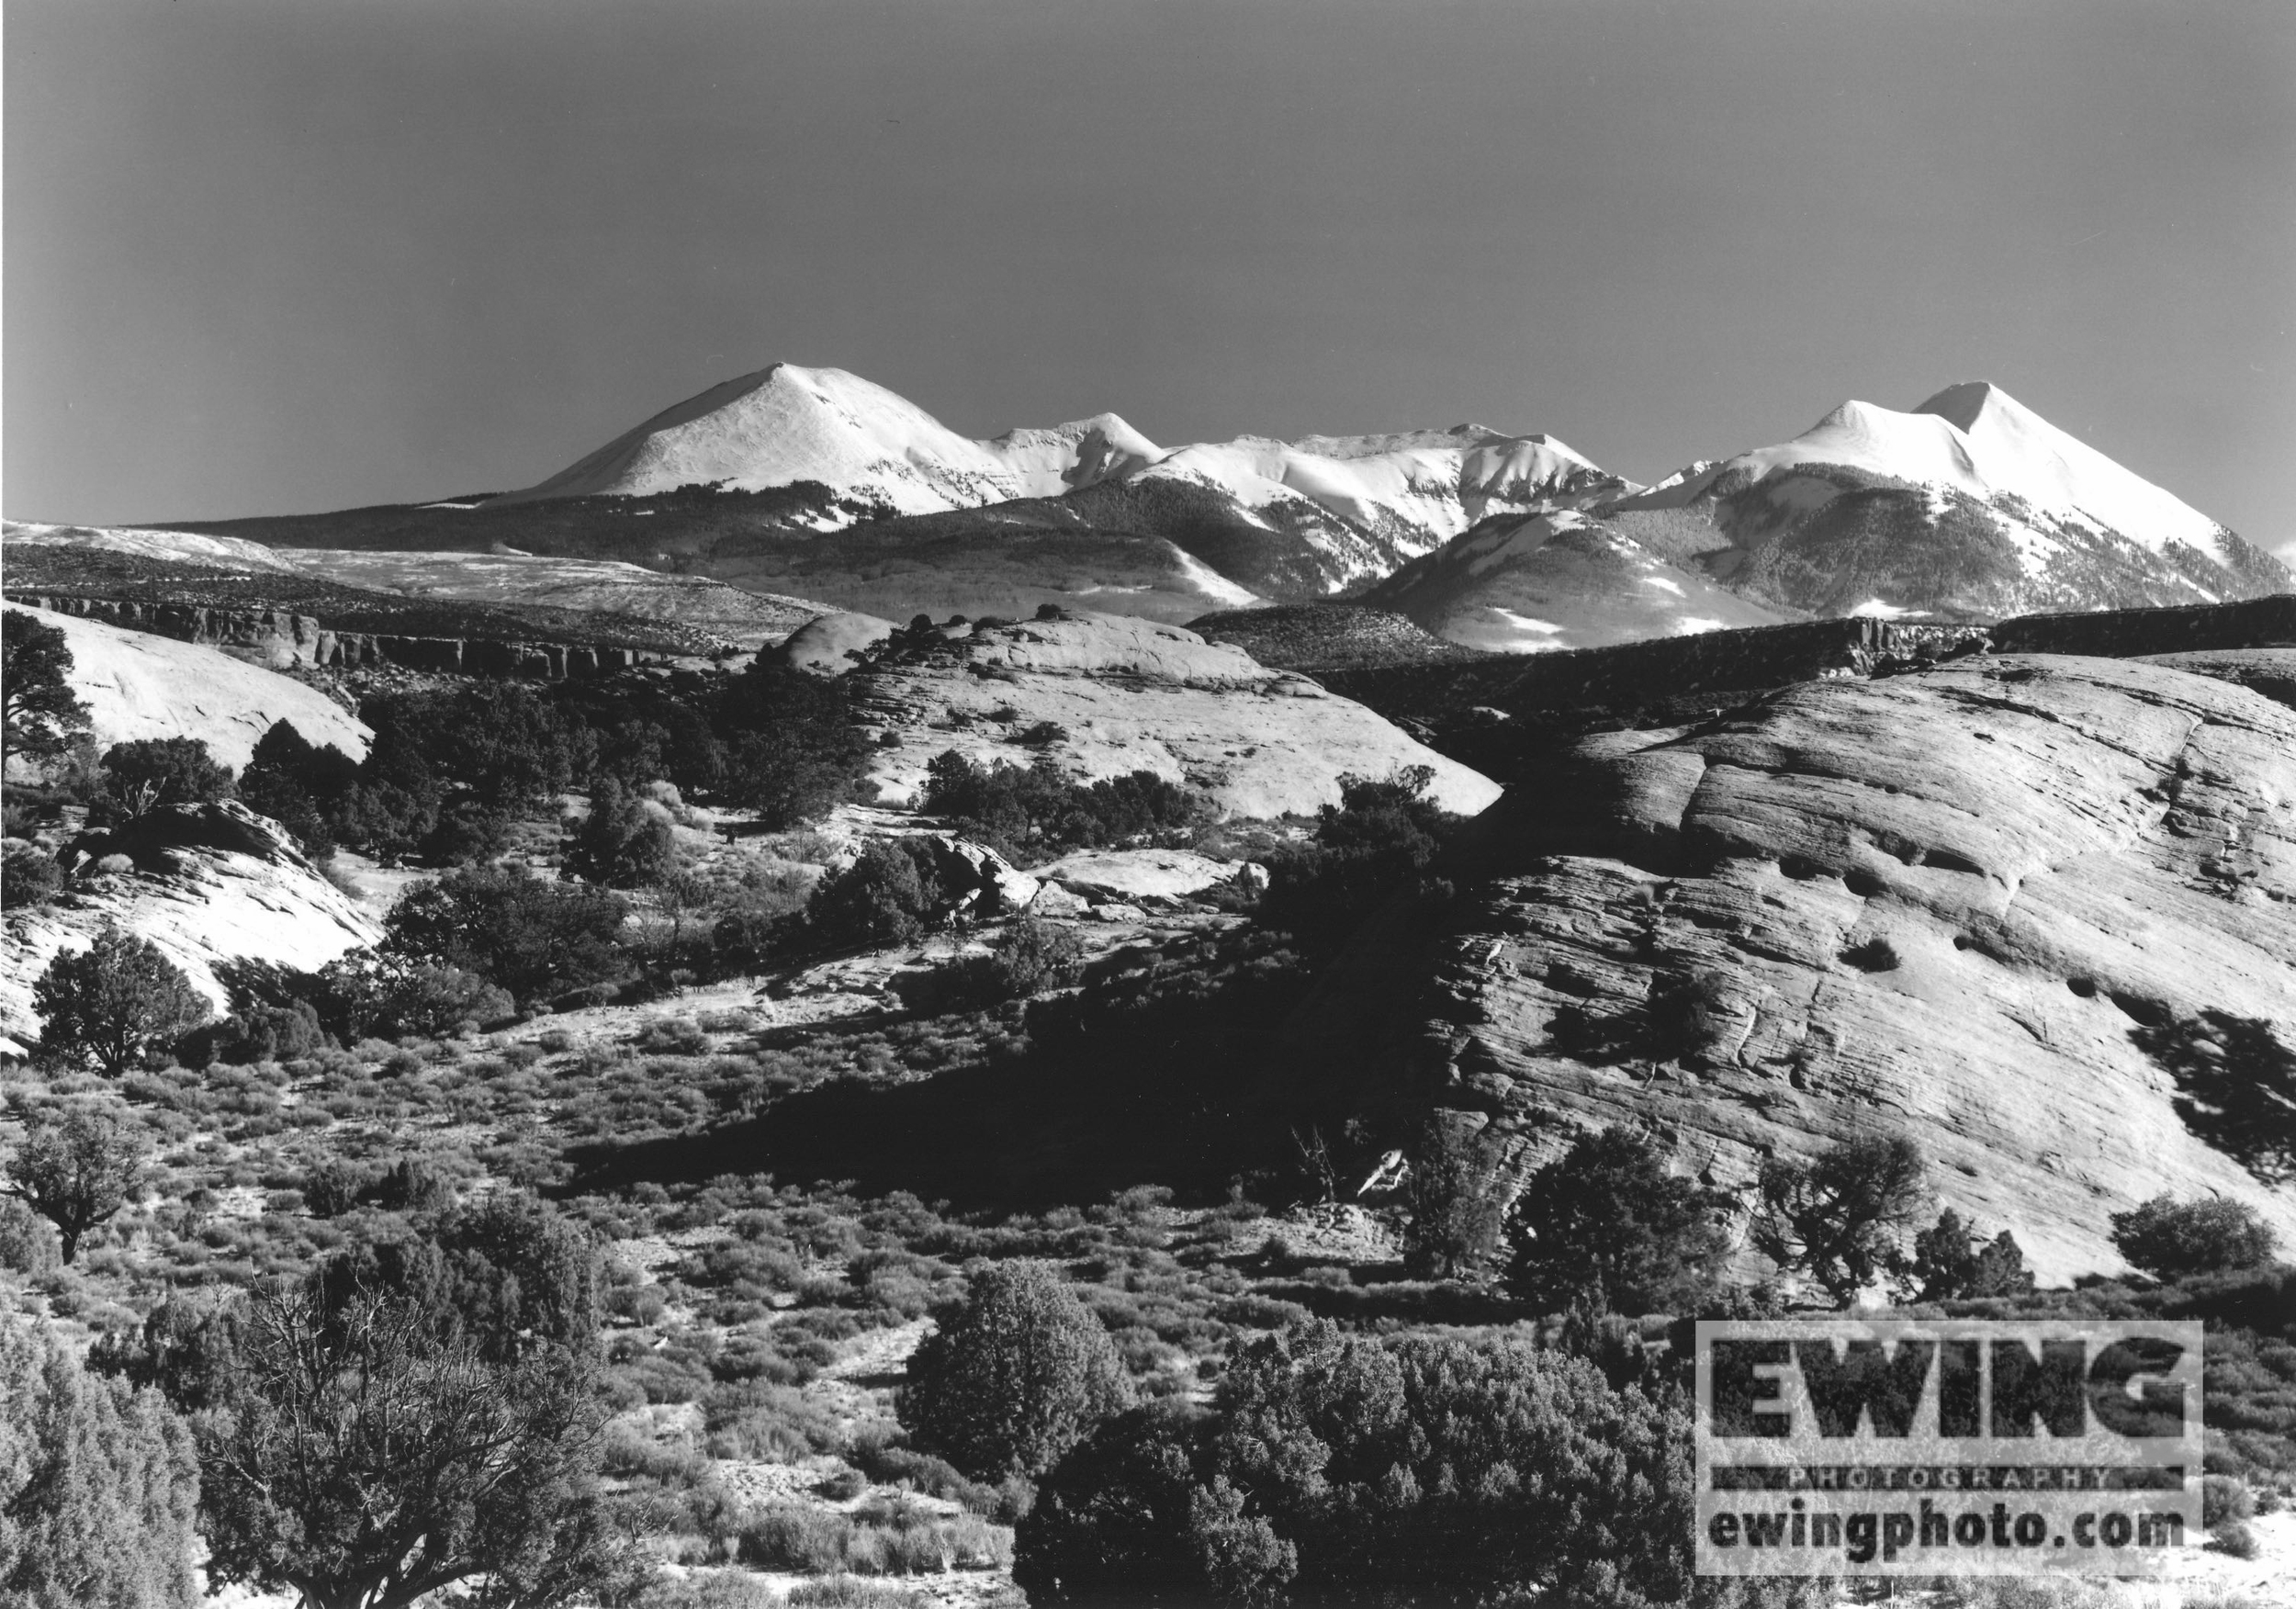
<point x="1017" y="1373"/>
<point x="42" y="717"/>
<point x="76" y="1171"/>
<point x="1838" y="1217"/>
<point x="1949" y="1262"/>
<point x="626" y="842"/>
<point x="152" y="771"/>
<point x="115" y="1003"/>
<point x="98" y="1485"/>
<point x="1606" y="1218"/>
<point x="414" y="1417"/>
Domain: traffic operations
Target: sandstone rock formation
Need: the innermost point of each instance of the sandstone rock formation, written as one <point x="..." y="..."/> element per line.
<point x="138" y="685"/>
<point x="1140" y="876"/>
<point x="1990" y="905"/>
<point x="209" y="883"/>
<point x="2270" y="671"/>
<point x="825" y="645"/>
<point x="1104" y="696"/>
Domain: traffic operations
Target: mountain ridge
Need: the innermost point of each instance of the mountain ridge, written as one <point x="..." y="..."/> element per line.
<point x="1967" y="507"/>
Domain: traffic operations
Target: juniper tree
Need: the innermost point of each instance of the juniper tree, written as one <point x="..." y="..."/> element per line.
<point x="98" y="1485"/>
<point x="1016" y="1375"/>
<point x="115" y="1003"/>
<point x="1838" y="1217"/>
<point x="41" y="715"/>
<point x="76" y="1171"/>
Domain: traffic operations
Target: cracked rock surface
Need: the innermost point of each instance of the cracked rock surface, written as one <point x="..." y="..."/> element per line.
<point x="2002" y="907"/>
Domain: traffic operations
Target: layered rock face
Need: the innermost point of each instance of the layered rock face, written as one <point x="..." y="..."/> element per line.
<point x="1107" y="695"/>
<point x="205" y="884"/>
<point x="283" y="638"/>
<point x="1988" y="905"/>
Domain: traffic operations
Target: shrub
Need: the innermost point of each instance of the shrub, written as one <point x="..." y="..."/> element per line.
<point x="1456" y="1218"/>
<point x="115" y="1003"/>
<point x="1040" y="811"/>
<point x="27" y="1243"/>
<point x="1607" y="1219"/>
<point x="1376" y="844"/>
<point x="2169" y="1239"/>
<point x="842" y="1592"/>
<point x="267" y="1033"/>
<point x="519" y="933"/>
<point x="759" y="1419"/>
<point x="2235" y="1537"/>
<point x="2223" y="1498"/>
<point x="409" y="1186"/>
<point x="883" y="899"/>
<point x="28" y="875"/>
<point x="793" y="751"/>
<point x="333" y="1189"/>
<point x="1028" y="957"/>
<point x="1017" y="1373"/>
<point x="626" y="842"/>
<point x="362" y="994"/>
<point x="152" y="772"/>
<point x="1345" y="1470"/>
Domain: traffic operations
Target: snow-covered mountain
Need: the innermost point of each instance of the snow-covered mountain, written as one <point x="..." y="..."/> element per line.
<point x="1972" y="506"/>
<point x="1560" y="580"/>
<point x="1345" y="510"/>
<point x="816" y="482"/>
<point x="1969" y="505"/>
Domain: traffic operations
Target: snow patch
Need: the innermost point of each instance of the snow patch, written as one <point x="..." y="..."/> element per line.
<point x="1212" y="584"/>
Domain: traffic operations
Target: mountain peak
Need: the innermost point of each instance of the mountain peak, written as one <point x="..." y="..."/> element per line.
<point x="1961" y="405"/>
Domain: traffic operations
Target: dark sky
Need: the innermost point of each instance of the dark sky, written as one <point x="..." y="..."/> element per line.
<point x="272" y="256"/>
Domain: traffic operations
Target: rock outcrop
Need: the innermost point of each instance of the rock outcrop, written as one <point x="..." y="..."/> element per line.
<point x="824" y="647"/>
<point x="1106" y="695"/>
<point x="205" y="884"/>
<point x="2024" y="910"/>
<point x="139" y="685"/>
<point x="1142" y="876"/>
<point x="2270" y="671"/>
<point x="982" y="882"/>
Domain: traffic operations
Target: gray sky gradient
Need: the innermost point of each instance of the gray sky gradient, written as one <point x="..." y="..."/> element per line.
<point x="278" y="255"/>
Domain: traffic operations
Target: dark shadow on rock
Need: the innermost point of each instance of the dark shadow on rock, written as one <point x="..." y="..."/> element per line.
<point x="2236" y="1086"/>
